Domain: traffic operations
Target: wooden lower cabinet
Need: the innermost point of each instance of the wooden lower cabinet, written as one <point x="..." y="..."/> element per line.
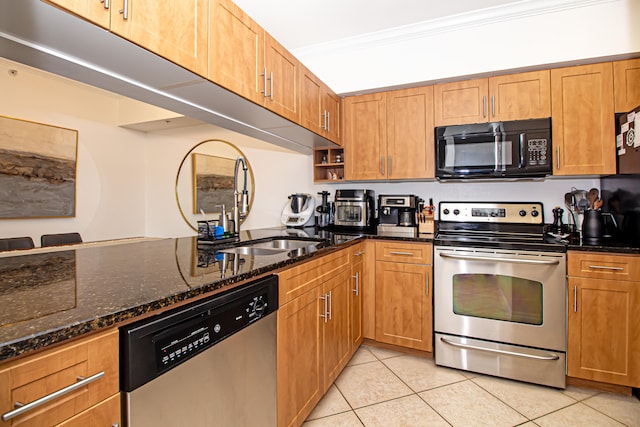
<point x="403" y="295"/>
<point x="31" y="378"/>
<point x="603" y="331"/>
<point x="314" y="333"/>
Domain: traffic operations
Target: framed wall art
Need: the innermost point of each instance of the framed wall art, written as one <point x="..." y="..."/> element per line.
<point x="37" y="170"/>
<point x="212" y="183"/>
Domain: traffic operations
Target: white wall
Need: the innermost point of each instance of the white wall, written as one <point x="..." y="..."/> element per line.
<point x="126" y="179"/>
<point x="508" y="40"/>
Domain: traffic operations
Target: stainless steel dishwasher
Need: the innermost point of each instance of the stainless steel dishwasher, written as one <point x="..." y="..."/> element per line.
<point x="211" y="363"/>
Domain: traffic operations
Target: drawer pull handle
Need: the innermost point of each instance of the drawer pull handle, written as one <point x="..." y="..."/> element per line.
<point x="358" y="253"/>
<point x="606" y="267"/>
<point x="21" y="408"/>
<point x="401" y="253"/>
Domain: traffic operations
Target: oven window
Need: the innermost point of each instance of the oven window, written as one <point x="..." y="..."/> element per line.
<point x="499" y="297"/>
<point x="349" y="213"/>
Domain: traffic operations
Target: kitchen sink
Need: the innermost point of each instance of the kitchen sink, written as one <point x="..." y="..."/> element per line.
<point x="274" y="247"/>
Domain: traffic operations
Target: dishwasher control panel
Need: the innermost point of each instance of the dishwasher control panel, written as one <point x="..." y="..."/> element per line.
<point x="153" y="346"/>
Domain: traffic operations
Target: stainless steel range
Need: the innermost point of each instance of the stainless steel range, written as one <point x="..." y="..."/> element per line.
<point x="500" y="292"/>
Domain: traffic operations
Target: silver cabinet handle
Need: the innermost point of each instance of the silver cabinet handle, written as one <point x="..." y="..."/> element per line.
<point x="106" y="3"/>
<point x="558" y="158"/>
<point x="328" y="121"/>
<point x="494" y="350"/>
<point x="493" y="105"/>
<point x="606" y="267"/>
<point x="264" y="82"/>
<point x="575" y="299"/>
<point x="427" y="283"/>
<point x="21" y="408"/>
<point x="401" y="253"/>
<point x="325" y="312"/>
<point x="125" y="10"/>
<point x="484" y="106"/>
<point x="356" y="290"/>
<point x="330" y="303"/>
<point x="488" y="258"/>
<point x="358" y="253"/>
<point x="382" y="163"/>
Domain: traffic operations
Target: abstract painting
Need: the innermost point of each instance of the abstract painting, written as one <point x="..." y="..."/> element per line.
<point x="212" y="183"/>
<point x="37" y="170"/>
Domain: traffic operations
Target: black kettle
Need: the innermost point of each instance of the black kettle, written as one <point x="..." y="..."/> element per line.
<point x="592" y="225"/>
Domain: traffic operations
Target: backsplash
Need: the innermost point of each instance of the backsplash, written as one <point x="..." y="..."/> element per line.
<point x="621" y="196"/>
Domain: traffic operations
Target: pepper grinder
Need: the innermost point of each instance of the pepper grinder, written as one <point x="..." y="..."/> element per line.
<point x="556" y="227"/>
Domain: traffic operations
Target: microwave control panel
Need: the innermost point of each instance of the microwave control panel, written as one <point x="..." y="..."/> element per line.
<point x="537" y="152"/>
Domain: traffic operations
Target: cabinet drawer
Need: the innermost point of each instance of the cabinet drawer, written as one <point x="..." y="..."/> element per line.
<point x="106" y="413"/>
<point x="299" y="279"/>
<point x="413" y="253"/>
<point x="35" y="377"/>
<point x="603" y="265"/>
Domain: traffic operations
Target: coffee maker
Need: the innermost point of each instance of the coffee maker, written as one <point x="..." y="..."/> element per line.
<point x="397" y="214"/>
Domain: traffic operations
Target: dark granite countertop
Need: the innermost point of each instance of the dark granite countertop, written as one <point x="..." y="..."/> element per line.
<point x="605" y="245"/>
<point x="51" y="296"/>
<point x="65" y="292"/>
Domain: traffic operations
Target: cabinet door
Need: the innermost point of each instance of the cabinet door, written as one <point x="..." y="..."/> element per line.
<point x="336" y="336"/>
<point x="410" y="150"/>
<point x="311" y="108"/>
<point x="582" y="120"/>
<point x="365" y="136"/>
<point x="331" y="103"/>
<point x="520" y="96"/>
<point x="461" y="102"/>
<point x="626" y="83"/>
<point x="283" y="94"/>
<point x="603" y="341"/>
<point x="95" y="11"/>
<point x="403" y="305"/>
<point x="357" y="284"/>
<point x="105" y="413"/>
<point x="299" y="364"/>
<point x="236" y="51"/>
<point x="176" y="29"/>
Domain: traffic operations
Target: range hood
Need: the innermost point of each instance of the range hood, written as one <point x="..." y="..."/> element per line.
<point x="37" y="34"/>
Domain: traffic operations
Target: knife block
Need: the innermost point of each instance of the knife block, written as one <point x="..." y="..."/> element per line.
<point x="425" y="222"/>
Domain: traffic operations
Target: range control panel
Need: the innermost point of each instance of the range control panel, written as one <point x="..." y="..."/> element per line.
<point x="513" y="213"/>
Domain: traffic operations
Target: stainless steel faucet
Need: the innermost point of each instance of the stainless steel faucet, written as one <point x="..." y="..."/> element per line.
<point x="241" y="199"/>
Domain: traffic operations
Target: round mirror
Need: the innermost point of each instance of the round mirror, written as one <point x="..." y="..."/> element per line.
<point x="205" y="181"/>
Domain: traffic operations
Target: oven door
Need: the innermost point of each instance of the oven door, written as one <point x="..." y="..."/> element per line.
<point x="512" y="297"/>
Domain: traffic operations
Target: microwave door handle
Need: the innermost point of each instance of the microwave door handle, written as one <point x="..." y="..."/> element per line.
<point x="496" y="153"/>
<point x="522" y="136"/>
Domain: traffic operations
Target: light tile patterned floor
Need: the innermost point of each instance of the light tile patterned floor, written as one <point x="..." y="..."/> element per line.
<point x="385" y="388"/>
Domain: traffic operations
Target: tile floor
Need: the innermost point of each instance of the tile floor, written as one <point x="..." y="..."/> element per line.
<point x="385" y="388"/>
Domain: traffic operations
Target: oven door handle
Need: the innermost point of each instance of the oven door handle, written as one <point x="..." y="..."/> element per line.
<point x="514" y="260"/>
<point x="495" y="350"/>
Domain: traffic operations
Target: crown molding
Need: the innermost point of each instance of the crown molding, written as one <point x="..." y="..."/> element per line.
<point x="492" y="15"/>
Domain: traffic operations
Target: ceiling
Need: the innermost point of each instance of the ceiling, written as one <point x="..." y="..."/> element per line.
<point x="303" y="23"/>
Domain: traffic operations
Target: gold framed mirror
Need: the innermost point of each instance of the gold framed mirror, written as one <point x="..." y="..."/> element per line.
<point x="204" y="181"/>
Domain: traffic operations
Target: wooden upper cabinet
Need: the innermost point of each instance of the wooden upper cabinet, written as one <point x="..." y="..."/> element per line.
<point x="461" y="102"/>
<point x="583" y="120"/>
<point x="365" y="136"/>
<point x="176" y="29"/>
<point x="520" y="96"/>
<point x="319" y="106"/>
<point x="626" y="84"/>
<point x="410" y="150"/>
<point x="236" y="51"/>
<point x="510" y="97"/>
<point x="98" y="12"/>
<point x="283" y="93"/>
<point x="245" y="59"/>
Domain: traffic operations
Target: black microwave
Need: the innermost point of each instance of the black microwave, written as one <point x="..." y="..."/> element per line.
<point x="511" y="149"/>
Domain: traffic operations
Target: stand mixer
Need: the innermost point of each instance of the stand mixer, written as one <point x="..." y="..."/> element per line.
<point x="299" y="211"/>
